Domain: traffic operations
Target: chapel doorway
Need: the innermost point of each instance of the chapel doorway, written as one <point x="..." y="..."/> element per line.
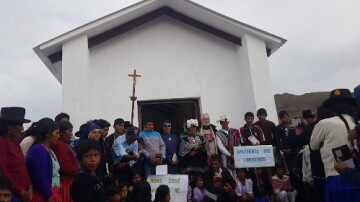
<point x="176" y="110"/>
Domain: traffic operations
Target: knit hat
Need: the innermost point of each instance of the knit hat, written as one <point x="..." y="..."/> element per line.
<point x="88" y="129"/>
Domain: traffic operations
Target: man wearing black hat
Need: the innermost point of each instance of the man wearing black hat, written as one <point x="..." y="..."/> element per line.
<point x="125" y="153"/>
<point x="308" y="119"/>
<point x="127" y="125"/>
<point x="331" y="133"/>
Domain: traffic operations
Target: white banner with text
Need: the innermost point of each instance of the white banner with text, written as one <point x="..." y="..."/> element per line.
<point x="254" y="156"/>
<point x="178" y="185"/>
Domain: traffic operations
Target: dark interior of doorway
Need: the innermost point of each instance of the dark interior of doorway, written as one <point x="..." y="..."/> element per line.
<point x="175" y="110"/>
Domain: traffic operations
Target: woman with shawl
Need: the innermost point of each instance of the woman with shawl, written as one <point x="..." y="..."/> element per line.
<point x="194" y="151"/>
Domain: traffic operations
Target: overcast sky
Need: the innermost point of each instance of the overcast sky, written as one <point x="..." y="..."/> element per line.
<point x="322" y="51"/>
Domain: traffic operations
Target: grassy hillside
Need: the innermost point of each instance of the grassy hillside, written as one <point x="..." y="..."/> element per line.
<point x="295" y="104"/>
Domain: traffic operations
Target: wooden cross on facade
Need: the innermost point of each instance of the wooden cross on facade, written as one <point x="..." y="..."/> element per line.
<point x="133" y="97"/>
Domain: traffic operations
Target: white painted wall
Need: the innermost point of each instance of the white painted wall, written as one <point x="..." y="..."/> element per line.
<point x="75" y="88"/>
<point x="260" y="75"/>
<point x="175" y="61"/>
<point x="256" y="77"/>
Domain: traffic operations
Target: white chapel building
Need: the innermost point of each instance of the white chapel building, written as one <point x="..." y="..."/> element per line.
<point x="191" y="60"/>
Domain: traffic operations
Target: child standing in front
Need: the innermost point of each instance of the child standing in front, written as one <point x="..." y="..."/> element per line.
<point x="282" y="187"/>
<point x="199" y="190"/>
<point x="244" y="186"/>
<point x="87" y="187"/>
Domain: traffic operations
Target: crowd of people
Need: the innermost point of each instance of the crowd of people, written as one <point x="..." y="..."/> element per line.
<point x="314" y="161"/>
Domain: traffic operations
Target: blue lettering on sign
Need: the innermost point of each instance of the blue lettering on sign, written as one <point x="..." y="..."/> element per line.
<point x="248" y="151"/>
<point x="267" y="151"/>
<point x="254" y="160"/>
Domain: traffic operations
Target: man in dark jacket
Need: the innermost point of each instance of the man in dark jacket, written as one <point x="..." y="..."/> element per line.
<point x="119" y="126"/>
<point x="309" y="122"/>
<point x="285" y="132"/>
<point x="267" y="127"/>
<point x="224" y="192"/>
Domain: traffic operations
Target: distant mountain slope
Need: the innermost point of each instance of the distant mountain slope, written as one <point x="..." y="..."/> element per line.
<point x="295" y="104"/>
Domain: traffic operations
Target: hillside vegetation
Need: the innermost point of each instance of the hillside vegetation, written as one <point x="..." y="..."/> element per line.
<point x="295" y="104"/>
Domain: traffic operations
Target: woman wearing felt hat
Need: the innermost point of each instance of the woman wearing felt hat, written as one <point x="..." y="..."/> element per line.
<point x="12" y="161"/>
<point x="333" y="133"/>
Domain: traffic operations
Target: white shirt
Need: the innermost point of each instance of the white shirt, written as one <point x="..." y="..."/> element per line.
<point x="333" y="133"/>
<point x="242" y="189"/>
<point x="26" y="143"/>
<point x="221" y="147"/>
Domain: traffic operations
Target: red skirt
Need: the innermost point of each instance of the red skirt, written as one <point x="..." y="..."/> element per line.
<point x="66" y="183"/>
<point x="37" y="197"/>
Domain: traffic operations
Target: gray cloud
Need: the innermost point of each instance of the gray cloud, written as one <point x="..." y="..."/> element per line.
<point x="321" y="52"/>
